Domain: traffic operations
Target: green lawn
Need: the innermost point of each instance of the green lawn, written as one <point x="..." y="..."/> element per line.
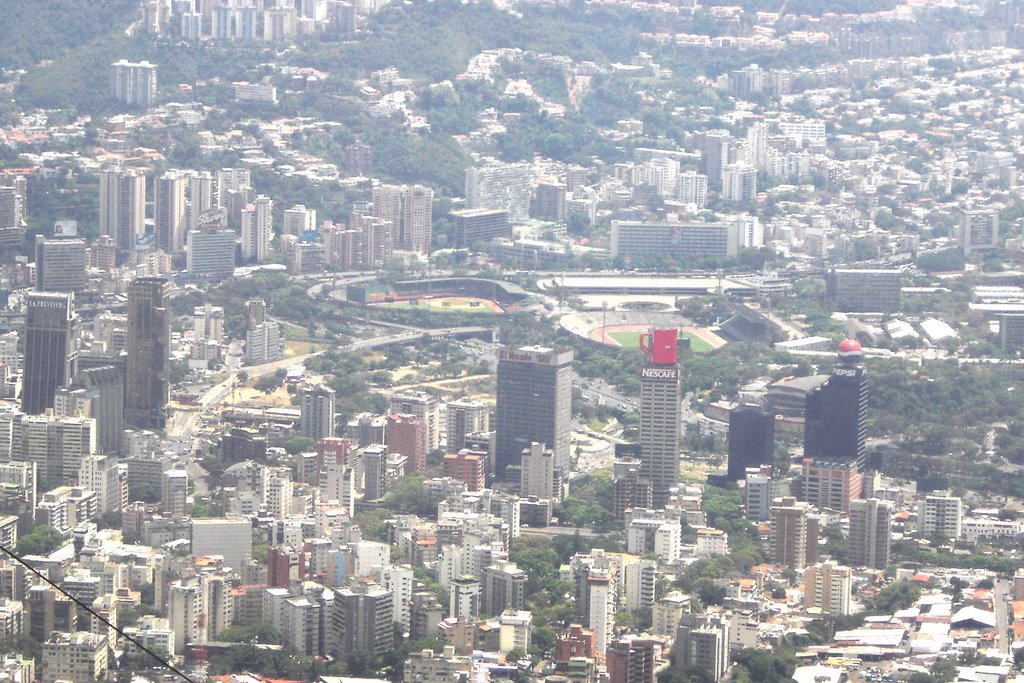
<point x="631" y="340"/>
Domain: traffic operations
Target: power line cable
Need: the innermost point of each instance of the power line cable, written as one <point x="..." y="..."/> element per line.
<point x="163" y="662"/>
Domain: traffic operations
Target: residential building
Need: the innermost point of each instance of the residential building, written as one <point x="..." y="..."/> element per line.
<point x="317" y="408"/>
<point x="639" y="240"/>
<point x="257" y="229"/>
<point x="654" y="535"/>
<point x="78" y="657"/>
<point x="406" y="435"/>
<point x="941" y="516"/>
<point x="979" y="230"/>
<point x="538" y="475"/>
<point x="170" y="211"/>
<point x="211" y="254"/>
<point x="629" y="490"/>
<point x="133" y="83"/>
<point x="425" y="407"/>
<point x="409" y="210"/>
<point x="362" y="620"/>
<point x="827" y="586"/>
<point x="632" y="660"/>
<point x="465" y="416"/>
<point x="467" y="467"/>
<point x="503" y="586"/>
<point x="502" y="186"/>
<point x="870" y="533"/>
<point x="55" y="445"/>
<point x="122" y="206"/>
<point x="793" y="540"/>
<point x="702" y="642"/>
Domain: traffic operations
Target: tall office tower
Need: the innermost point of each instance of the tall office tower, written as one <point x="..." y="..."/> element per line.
<point x="409" y="208"/>
<point x="793" y="540"/>
<point x="169" y="211"/>
<point x="692" y="188"/>
<point x="122" y="206"/>
<point x="149" y="345"/>
<point x="827" y="586"/>
<point x="836" y="414"/>
<point x="51" y="351"/>
<point x="56" y="445"/>
<point x="629" y="491"/>
<point x="406" y="435"/>
<point x="497" y="185"/>
<point x="317" y="410"/>
<point x="96" y="392"/>
<point x="425" y="407"/>
<point x="702" y="641"/>
<point x="632" y="660"/>
<point x="60" y="264"/>
<point x="751" y="438"/>
<point x="465" y="416"/>
<point x="362" y="620"/>
<point x="534" y="403"/>
<point x="257" y="229"/>
<point x="133" y="83"/>
<point x="979" y="229"/>
<point x="870" y="533"/>
<point x="660" y="396"/>
<point x="298" y="220"/>
<point x="202" y="196"/>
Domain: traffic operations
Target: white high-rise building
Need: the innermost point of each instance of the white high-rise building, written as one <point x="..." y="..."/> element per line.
<point x="170" y="211"/>
<point x="56" y="445"/>
<point x="317" y="406"/>
<point x="500" y="186"/>
<point x="692" y="188"/>
<point x="185" y="612"/>
<point x="739" y="183"/>
<point x="101" y="474"/>
<point x="122" y="206"/>
<point x="257" y="229"/>
<point x="208" y="323"/>
<point x="202" y="196"/>
<point x="827" y="586"/>
<point x="942" y="515"/>
<point x="537" y="473"/>
<point x="298" y="220"/>
<point x="133" y="83"/>
<point x="399" y="581"/>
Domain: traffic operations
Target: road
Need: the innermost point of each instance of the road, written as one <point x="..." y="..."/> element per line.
<point x="1000" y="591"/>
<point x="557" y="531"/>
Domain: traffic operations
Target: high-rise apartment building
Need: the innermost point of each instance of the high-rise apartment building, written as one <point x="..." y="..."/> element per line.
<point x="496" y="185"/>
<point x="424" y="406"/>
<point x="538" y="475"/>
<point x="870" y="533"/>
<point x="123" y="206"/>
<point x="534" y="403"/>
<point x="257" y="229"/>
<point x="149" y="345"/>
<point x="465" y="416"/>
<point x="660" y="397"/>
<point x="133" y="83"/>
<point x="632" y="660"/>
<point x="96" y="392"/>
<point x="317" y="412"/>
<point x="51" y="353"/>
<point x="549" y="202"/>
<point x="751" y="438"/>
<point x="979" y="229"/>
<point x="702" y="641"/>
<point x="298" y="220"/>
<point x="473" y="226"/>
<point x="692" y="188"/>
<point x="739" y="183"/>
<point x="637" y="239"/>
<point x="793" y="540"/>
<point x="406" y="435"/>
<point x="79" y="657"/>
<point x="629" y="489"/>
<point x="409" y="207"/>
<point x="941" y="515"/>
<point x="60" y="264"/>
<point x="202" y="197"/>
<point x="55" y="445"/>
<point x="827" y="586"/>
<point x="170" y="211"/>
<point x="503" y="586"/>
<point x="211" y="254"/>
<point x="362" y="620"/>
<point x="836" y="412"/>
<point x="264" y="339"/>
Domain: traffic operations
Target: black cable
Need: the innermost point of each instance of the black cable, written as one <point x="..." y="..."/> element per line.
<point x="163" y="662"/>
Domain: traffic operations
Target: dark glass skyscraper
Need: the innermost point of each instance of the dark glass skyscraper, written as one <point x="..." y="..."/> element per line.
<point x="149" y="345"/>
<point x="534" y="403"/>
<point x="835" y="430"/>
<point x="51" y="352"/>
<point x="751" y="438"/>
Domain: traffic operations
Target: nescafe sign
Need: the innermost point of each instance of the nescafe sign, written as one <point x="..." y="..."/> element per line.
<point x="659" y="373"/>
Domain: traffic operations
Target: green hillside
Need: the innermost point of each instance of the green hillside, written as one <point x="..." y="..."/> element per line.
<point x="34" y="30"/>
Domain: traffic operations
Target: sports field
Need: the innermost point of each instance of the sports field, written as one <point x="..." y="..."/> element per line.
<point x="460" y="304"/>
<point x="701" y="339"/>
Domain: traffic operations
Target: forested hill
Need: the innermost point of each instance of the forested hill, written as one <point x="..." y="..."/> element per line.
<point x="34" y="30"/>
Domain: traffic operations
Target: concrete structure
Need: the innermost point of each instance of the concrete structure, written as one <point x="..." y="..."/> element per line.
<point x="408" y="209"/>
<point x="211" y="254"/>
<point x="122" y="206"/>
<point x="317" y="407"/>
<point x="230" y="538"/>
<point x="424" y="406"/>
<point x="54" y="445"/>
<point x="133" y="83"/>
<point x="979" y="230"/>
<point x="60" y="264"/>
<point x="473" y="226"/>
<point x="660" y="406"/>
<point x="500" y="186"/>
<point x="78" y="657"/>
<point x="407" y="436"/>
<point x="941" y="515"/>
<point x="503" y="586"/>
<point x="362" y="620"/>
<point x="637" y="240"/>
<point x="538" y="475"/>
<point x="170" y="211"/>
<point x="702" y="641"/>
<point x="257" y="229"/>
<point x="465" y="416"/>
<point x="467" y="467"/>
<point x="793" y="540"/>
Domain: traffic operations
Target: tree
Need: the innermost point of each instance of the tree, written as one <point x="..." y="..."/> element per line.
<point x="42" y="540"/>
